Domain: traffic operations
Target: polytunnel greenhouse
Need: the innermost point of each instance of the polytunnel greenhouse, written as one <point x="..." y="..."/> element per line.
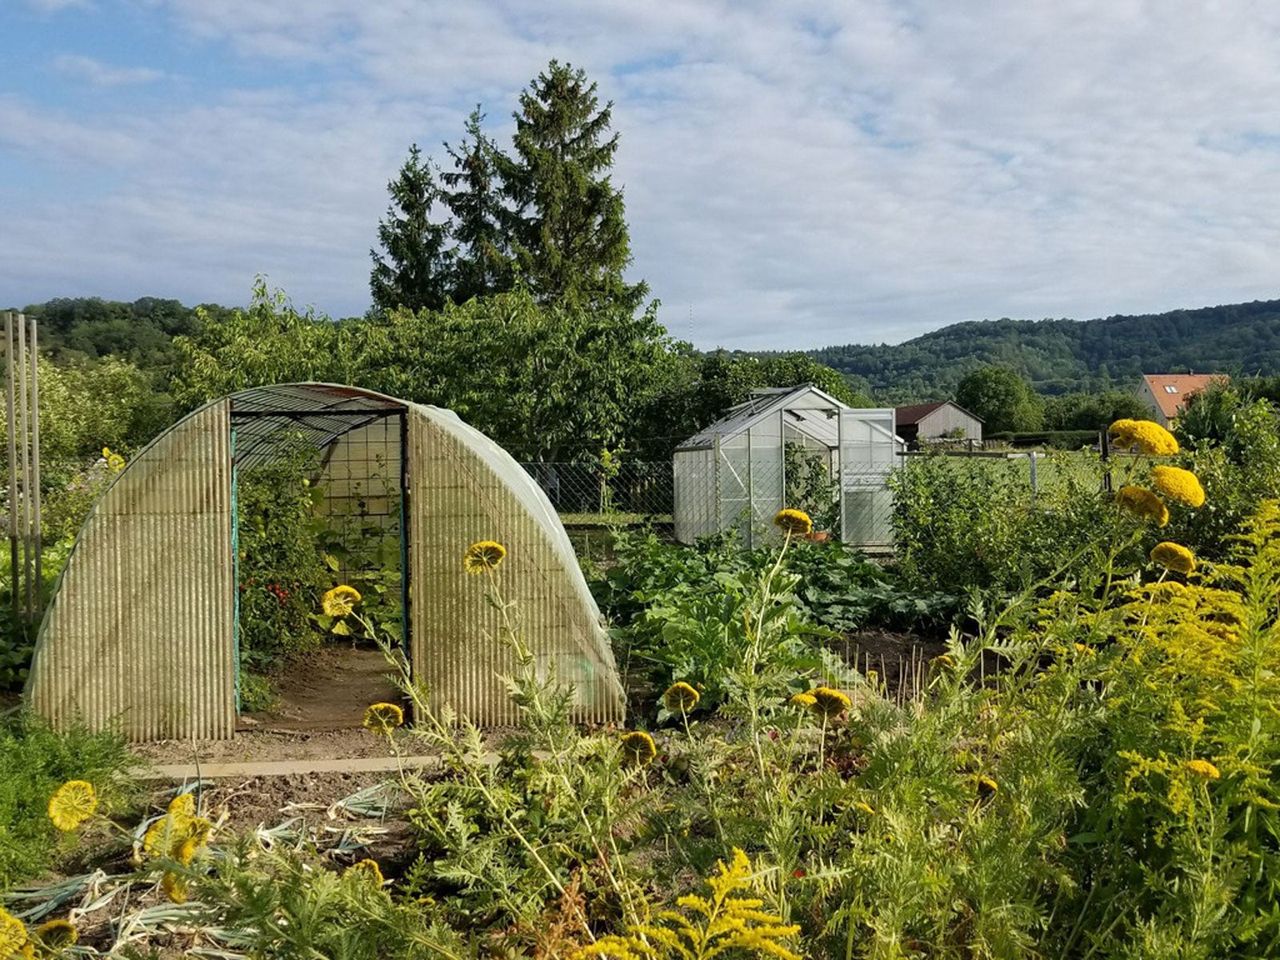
<point x="790" y="447"/>
<point x="144" y="632"/>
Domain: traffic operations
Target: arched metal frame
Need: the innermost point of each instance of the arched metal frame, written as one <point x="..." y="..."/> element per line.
<point x="140" y="633"/>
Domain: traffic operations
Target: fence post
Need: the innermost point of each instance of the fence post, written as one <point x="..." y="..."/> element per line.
<point x="11" y="423"/>
<point x="751" y="494"/>
<point x="35" y="469"/>
<point x="1104" y="446"/>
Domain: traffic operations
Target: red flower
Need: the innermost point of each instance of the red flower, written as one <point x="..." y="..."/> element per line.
<point x="798" y="873"/>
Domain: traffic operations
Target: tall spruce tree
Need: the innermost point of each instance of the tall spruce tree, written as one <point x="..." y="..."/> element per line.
<point x="570" y="233"/>
<point x="481" y="218"/>
<point x="414" y="268"/>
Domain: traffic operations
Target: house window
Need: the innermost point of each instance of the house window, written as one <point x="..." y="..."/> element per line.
<point x="1170" y="388"/>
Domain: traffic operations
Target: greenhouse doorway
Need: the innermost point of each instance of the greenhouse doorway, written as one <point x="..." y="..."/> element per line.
<point x="319" y="499"/>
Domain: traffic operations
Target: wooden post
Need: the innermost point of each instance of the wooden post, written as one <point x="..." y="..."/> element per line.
<point x="15" y="571"/>
<point x="24" y="464"/>
<point x="38" y="584"/>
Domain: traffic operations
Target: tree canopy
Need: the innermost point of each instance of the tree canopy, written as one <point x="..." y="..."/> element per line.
<point x="1061" y="356"/>
<point x="1002" y="398"/>
<point x="547" y="217"/>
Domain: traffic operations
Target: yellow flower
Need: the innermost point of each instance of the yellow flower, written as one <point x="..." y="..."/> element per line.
<point x="829" y="702"/>
<point x="57" y="934"/>
<point x="1146" y="435"/>
<point x="383" y="718"/>
<point x="1203" y="768"/>
<point x="1084" y="650"/>
<point x="187" y="851"/>
<point x="366" y="871"/>
<point x="987" y="787"/>
<point x="680" y="697"/>
<point x="638" y="748"/>
<point x="13" y="934"/>
<point x="72" y="804"/>
<point x="483" y="555"/>
<point x="200" y="830"/>
<point x="1144" y="504"/>
<point x="1173" y="556"/>
<point x="1181" y="486"/>
<point x="174" y="887"/>
<point x="795" y="522"/>
<point x="803" y="700"/>
<point x="340" y="601"/>
<point x="182" y="807"/>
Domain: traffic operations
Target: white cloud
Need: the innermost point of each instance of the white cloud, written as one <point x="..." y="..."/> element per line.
<point x="796" y="174"/>
<point x="101" y="74"/>
<point x="57" y="6"/>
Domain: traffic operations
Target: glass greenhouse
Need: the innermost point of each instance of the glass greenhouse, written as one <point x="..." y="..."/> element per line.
<point x="790" y="447"/>
<point x="144" y="630"/>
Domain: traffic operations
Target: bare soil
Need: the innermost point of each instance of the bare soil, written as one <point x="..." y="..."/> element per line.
<point x="326" y="690"/>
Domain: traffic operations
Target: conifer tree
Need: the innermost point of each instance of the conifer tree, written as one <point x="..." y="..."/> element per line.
<point x="570" y="235"/>
<point x="414" y="268"/>
<point x="481" y="219"/>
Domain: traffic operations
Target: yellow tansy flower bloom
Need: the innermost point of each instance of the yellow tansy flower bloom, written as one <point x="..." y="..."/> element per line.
<point x="1142" y="503"/>
<point x="1203" y="768"/>
<point x="638" y="748"/>
<point x="483" y="555"/>
<point x="1178" y="485"/>
<point x="57" y="934"/>
<point x="680" y="697"/>
<point x="829" y="702"/>
<point x="13" y="934"/>
<point x="987" y="787"/>
<point x="366" y="871"/>
<point x="1173" y="556"/>
<point x="795" y="522"/>
<point x="72" y="804"/>
<point x="803" y="700"/>
<point x="174" y="887"/>
<point x="182" y="807"/>
<point x="383" y="718"/>
<point x="340" y="601"/>
<point x="1145" y="435"/>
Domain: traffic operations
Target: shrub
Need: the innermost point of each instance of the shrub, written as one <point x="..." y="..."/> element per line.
<point x="34" y="761"/>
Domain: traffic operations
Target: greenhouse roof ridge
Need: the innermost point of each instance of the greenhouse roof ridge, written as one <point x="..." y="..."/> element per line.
<point x="743" y="415"/>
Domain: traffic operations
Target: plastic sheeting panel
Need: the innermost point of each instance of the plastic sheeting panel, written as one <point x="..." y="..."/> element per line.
<point x="139" y="635"/>
<point x="462" y="488"/>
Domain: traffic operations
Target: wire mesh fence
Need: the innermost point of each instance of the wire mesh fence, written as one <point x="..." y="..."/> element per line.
<point x="631" y="490"/>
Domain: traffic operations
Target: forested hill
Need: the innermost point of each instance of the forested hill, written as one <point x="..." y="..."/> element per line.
<point x="1065" y="355"/>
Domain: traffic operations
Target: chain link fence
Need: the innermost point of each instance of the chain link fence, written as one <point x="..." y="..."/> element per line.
<point x="631" y="491"/>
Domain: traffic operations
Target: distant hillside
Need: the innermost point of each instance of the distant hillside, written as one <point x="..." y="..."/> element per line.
<point x="1066" y="355"/>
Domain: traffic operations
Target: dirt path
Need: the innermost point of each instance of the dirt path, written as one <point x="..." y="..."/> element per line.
<point x="327" y="690"/>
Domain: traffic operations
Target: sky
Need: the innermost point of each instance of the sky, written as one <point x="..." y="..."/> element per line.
<point x="795" y="174"/>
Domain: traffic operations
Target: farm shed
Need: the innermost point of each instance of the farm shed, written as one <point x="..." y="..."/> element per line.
<point x="142" y="631"/>
<point x="789" y="447"/>
<point x="941" y="420"/>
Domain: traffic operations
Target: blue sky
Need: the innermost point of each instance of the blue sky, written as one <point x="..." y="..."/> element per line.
<point x="796" y="174"/>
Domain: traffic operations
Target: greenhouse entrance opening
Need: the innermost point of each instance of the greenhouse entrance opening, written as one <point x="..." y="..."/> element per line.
<point x="319" y="499"/>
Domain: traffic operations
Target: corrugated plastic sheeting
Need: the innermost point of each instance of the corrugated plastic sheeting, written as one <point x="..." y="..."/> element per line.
<point x="139" y="634"/>
<point x="465" y="488"/>
<point x="695" y="498"/>
<point x="870" y="452"/>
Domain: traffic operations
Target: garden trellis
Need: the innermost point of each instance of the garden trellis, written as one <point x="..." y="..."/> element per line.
<point x="789" y="447"/>
<point x="141" y="631"/>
